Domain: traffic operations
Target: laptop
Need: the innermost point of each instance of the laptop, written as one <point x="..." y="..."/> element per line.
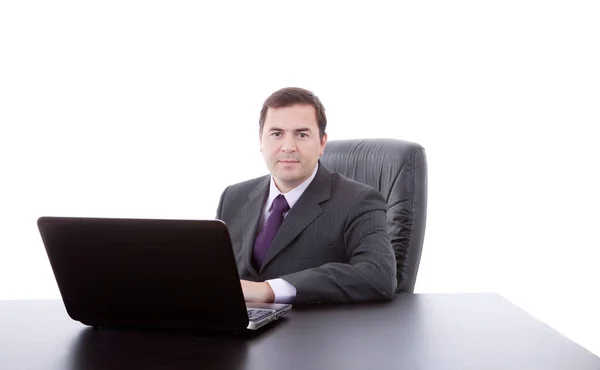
<point x="150" y="273"/>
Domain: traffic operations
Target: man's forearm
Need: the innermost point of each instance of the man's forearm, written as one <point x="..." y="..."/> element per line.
<point x="341" y="282"/>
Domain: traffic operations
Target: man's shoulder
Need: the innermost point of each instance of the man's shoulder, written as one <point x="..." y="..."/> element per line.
<point x="351" y="192"/>
<point x="348" y="185"/>
<point x="245" y="187"/>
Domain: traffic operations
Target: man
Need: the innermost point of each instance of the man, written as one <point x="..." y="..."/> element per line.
<point x="304" y="234"/>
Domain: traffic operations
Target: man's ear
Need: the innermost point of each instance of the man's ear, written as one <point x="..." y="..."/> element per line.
<point x="323" y="144"/>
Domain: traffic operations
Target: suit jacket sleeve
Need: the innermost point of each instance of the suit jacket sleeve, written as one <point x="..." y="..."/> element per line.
<point x="220" y="207"/>
<point x="371" y="271"/>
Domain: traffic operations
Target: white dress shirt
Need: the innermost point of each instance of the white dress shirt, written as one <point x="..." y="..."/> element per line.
<point x="284" y="291"/>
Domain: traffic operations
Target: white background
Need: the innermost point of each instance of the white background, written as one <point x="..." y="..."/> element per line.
<point x="149" y="109"/>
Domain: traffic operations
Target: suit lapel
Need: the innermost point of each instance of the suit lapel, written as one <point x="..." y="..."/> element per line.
<point x="251" y="213"/>
<point x="305" y="211"/>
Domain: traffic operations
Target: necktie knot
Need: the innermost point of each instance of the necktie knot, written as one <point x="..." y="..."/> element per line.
<point x="280" y="204"/>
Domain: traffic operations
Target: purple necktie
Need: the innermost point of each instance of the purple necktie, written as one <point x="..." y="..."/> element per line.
<point x="265" y="237"/>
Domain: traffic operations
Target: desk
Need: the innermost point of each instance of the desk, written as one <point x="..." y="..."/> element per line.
<point x="422" y="331"/>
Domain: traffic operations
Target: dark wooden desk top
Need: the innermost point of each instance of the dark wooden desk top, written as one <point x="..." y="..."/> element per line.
<point x="422" y="331"/>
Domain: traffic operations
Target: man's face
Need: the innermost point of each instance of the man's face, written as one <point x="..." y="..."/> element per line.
<point x="291" y="144"/>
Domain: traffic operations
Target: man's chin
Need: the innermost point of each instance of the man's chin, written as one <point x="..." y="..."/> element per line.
<point x="289" y="178"/>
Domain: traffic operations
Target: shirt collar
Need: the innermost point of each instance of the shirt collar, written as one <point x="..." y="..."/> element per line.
<point x="293" y="195"/>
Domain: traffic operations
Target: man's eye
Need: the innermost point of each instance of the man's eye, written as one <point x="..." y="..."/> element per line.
<point x="302" y="134"/>
<point x="276" y="134"/>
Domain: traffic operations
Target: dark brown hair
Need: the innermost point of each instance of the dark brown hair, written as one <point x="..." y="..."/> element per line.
<point x="289" y="96"/>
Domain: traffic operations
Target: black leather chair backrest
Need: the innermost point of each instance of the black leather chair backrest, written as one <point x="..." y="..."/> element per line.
<point x="398" y="169"/>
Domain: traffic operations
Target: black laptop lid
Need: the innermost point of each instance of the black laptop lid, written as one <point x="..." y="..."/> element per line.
<point x="146" y="273"/>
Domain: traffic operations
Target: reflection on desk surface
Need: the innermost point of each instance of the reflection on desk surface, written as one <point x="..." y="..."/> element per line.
<point x="105" y="349"/>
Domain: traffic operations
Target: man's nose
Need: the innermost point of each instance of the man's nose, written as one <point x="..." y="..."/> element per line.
<point x="289" y="144"/>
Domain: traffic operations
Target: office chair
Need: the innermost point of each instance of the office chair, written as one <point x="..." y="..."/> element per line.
<point x="398" y="169"/>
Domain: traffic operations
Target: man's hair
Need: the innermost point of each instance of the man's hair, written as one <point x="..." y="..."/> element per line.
<point x="289" y="96"/>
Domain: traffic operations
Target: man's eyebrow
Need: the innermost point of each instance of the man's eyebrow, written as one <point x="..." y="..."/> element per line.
<point x="302" y="129"/>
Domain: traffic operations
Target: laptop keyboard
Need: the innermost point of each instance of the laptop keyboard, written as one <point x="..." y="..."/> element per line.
<point x="255" y="314"/>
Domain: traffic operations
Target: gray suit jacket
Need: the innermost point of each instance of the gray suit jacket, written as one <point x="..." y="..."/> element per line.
<point x="332" y="246"/>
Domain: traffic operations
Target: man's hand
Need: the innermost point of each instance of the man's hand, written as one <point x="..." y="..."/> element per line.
<point x="257" y="292"/>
